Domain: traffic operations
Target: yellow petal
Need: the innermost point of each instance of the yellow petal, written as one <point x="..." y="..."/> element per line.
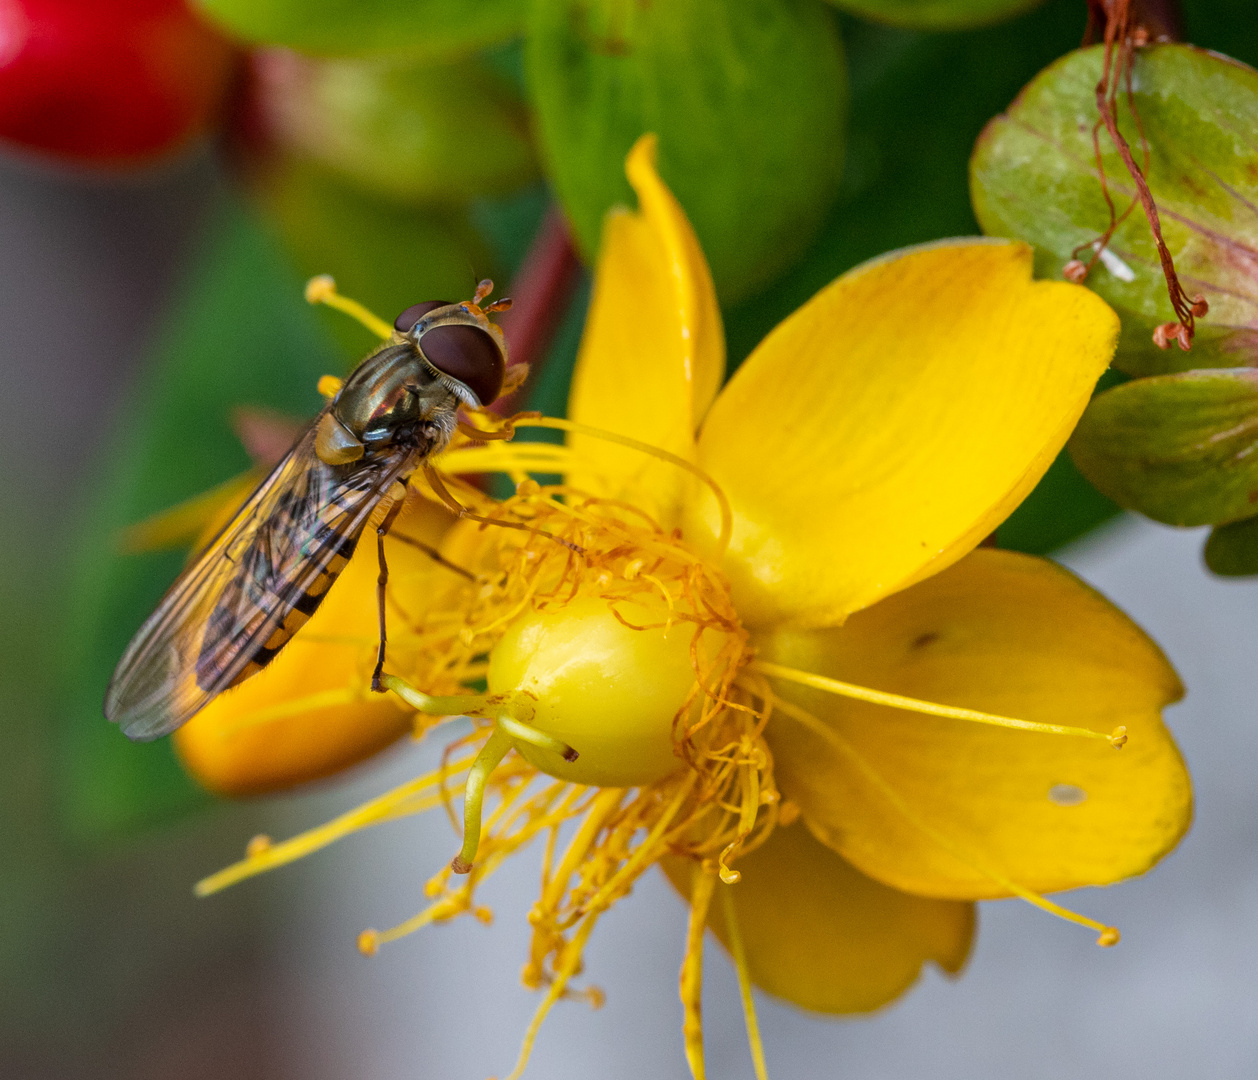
<point x="892" y="422"/>
<point x="1007" y="634"/>
<point x="822" y="935"/>
<point x="653" y="353"/>
<point x="311" y="712"/>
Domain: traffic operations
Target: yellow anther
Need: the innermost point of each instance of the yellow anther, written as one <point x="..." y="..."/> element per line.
<point x="329" y="386"/>
<point x="319" y="288"/>
<point x="788" y="812"/>
<point x="1109" y="937"/>
<point x="1119" y="738"/>
<point x="484" y="915"/>
<point x="632" y="569"/>
<point x="369" y="942"/>
<point x="527" y="489"/>
<point x="257" y="846"/>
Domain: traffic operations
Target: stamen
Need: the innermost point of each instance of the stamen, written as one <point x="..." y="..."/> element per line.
<point x="322" y="290"/>
<point x="474" y="796"/>
<point x="727" y="517"/>
<point x="691" y="981"/>
<point x="409" y="798"/>
<point x="1106" y="935"/>
<point x="739" y="954"/>
<point x="537" y="738"/>
<point x="1117" y="738"/>
<point x="329" y="386"/>
<point x="569" y="962"/>
<point x="443" y="493"/>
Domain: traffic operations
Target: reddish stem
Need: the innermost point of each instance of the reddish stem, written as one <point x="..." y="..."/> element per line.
<point x="540" y="294"/>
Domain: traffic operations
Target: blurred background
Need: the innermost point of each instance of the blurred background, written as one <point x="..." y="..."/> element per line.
<point x="152" y="287"/>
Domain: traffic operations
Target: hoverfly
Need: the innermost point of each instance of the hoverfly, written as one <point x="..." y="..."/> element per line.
<point x="253" y="587"/>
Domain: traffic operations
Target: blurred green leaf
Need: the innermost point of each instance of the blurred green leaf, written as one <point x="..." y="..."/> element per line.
<point x="1034" y="176"/>
<point x="748" y="100"/>
<point x="431" y="131"/>
<point x="240" y="333"/>
<point x="383" y="254"/>
<point x="1232" y="550"/>
<point x="369" y="27"/>
<point x="936" y="14"/>
<point x="1178" y="448"/>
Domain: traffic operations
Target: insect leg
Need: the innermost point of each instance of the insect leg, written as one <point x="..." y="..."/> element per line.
<point x="382" y="581"/>
<point x="435" y="555"/>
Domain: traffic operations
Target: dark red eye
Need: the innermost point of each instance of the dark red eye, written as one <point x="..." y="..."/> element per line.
<point x="405" y="322"/>
<point x="468" y="354"/>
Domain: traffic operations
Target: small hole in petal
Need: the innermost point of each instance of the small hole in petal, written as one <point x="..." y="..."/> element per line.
<point x="928" y="638"/>
<point x="1066" y="795"/>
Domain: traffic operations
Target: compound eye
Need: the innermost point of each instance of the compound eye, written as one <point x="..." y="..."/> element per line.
<point x="405" y="322"/>
<point x="468" y="354"/>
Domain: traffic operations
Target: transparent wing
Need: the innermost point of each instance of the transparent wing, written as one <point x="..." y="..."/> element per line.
<point x="251" y="589"/>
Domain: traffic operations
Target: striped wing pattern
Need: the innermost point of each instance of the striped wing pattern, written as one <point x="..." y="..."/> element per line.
<point x="251" y="589"/>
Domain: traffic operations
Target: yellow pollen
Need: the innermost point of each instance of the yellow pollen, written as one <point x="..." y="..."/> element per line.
<point x="329" y="386"/>
<point x="257" y="846"/>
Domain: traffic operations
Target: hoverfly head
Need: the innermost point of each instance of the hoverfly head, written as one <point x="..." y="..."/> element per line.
<point x="460" y="343"/>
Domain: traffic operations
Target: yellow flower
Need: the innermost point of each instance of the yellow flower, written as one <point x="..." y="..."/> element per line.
<point x="758" y="621"/>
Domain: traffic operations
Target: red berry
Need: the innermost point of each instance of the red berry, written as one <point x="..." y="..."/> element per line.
<point x="108" y="81"/>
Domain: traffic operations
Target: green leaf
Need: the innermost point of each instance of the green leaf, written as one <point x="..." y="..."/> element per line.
<point x="382" y="254"/>
<point x="1232" y="550"/>
<point x="1033" y="176"/>
<point x="239" y="333"/>
<point x="400" y="129"/>
<point x="747" y="99"/>
<point x="369" y="27"/>
<point x="936" y="14"/>
<point x="1178" y="448"/>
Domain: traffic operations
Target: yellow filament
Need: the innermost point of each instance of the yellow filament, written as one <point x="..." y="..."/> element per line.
<point x="898" y="701"/>
<point x="727" y="517"/>
<point x="1107" y="935"/>
<point x="691" y="980"/>
<point x="567" y="967"/>
<point x="735" y="935"/>
<point x="646" y="852"/>
<point x="322" y="290"/>
<point x="386" y="806"/>
<point x="604" y="805"/>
